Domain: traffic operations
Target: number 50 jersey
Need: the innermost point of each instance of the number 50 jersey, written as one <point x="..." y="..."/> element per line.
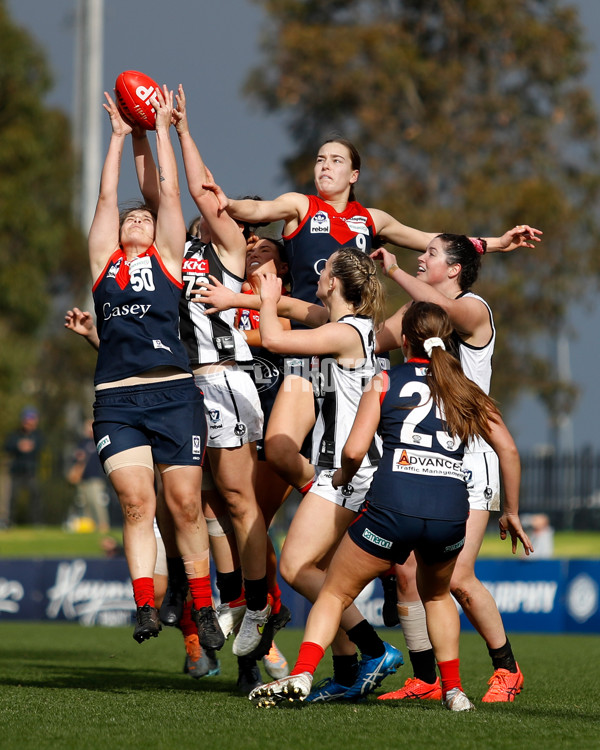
<point x="137" y="314"/>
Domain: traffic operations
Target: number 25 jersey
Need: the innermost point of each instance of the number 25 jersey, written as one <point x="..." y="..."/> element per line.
<point x="420" y="473"/>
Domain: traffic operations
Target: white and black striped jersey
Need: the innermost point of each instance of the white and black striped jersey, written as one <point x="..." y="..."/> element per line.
<point x="338" y="390"/>
<point x="208" y="338"/>
<point x="476" y="362"/>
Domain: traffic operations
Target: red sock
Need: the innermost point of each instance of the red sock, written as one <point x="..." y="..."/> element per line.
<point x="450" y="674"/>
<point x="186" y="624"/>
<point x="143" y="592"/>
<point x="309" y="657"/>
<point x="201" y="591"/>
<point x="275" y="594"/>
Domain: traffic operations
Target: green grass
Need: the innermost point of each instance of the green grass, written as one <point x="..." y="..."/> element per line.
<point x="66" y="686"/>
<point x="54" y="542"/>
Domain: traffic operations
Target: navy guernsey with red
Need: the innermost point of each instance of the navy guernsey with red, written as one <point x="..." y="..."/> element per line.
<point x="420" y="472"/>
<point x="321" y="232"/>
<point x="137" y="314"/>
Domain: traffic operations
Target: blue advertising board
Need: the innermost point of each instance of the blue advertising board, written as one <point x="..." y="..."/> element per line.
<point x="550" y="596"/>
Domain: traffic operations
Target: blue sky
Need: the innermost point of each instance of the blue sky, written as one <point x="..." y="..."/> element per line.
<point x="209" y="47"/>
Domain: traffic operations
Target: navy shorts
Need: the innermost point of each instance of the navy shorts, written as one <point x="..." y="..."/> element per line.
<point x="392" y="536"/>
<point x="168" y="416"/>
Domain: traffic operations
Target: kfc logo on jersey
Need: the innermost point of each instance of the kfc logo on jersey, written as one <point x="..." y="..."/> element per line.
<point x="319" y="224"/>
<point x="197" y="266"/>
<point x="358" y="224"/>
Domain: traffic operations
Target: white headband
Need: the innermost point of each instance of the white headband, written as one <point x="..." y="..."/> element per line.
<point x="429" y="344"/>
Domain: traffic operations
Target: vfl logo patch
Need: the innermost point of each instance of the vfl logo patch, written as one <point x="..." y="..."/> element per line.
<point x="320" y="224"/>
<point x="102" y="443"/>
<point x="196" y="445"/>
<point x="214" y="415"/>
<point x="375" y="539"/>
<point x="158" y="344"/>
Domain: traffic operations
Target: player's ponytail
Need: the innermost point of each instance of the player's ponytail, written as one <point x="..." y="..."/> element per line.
<point x="465" y="407"/>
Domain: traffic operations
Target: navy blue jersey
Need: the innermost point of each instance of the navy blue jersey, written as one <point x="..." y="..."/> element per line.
<point x="321" y="232"/>
<point x="420" y="472"/>
<point x="137" y="313"/>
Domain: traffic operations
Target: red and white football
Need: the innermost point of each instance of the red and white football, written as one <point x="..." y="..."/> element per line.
<point x="134" y="91"/>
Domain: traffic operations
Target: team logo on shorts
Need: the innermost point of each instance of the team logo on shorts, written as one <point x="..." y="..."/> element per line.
<point x="347" y="490"/>
<point x="196" y="445"/>
<point x="239" y="429"/>
<point x="215" y="416"/>
<point x="487" y="493"/>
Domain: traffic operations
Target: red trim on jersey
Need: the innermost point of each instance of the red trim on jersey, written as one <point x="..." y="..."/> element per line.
<point x="113" y="257"/>
<point x="386" y="385"/>
<point x="320" y="204"/>
<point x="151" y="251"/>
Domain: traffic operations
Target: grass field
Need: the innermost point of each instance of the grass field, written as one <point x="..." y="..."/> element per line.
<point x="54" y="542"/>
<point x="66" y="686"/>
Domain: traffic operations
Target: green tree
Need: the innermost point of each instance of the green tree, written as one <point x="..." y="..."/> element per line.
<point x="42" y="259"/>
<point x="470" y="116"/>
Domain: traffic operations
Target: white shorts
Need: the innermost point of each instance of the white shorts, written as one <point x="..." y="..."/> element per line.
<point x="233" y="412"/>
<point x="350" y="496"/>
<point x="482" y="471"/>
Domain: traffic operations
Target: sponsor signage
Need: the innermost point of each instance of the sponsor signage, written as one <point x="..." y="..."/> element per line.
<point x="549" y="596"/>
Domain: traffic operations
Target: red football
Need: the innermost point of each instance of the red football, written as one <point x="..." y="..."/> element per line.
<point x="134" y="91"/>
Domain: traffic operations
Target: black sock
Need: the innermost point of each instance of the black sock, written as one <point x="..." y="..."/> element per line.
<point x="256" y="593"/>
<point x="503" y="657"/>
<point x="423" y="664"/>
<point x="229" y="585"/>
<point x="345" y="669"/>
<point x="176" y="573"/>
<point x="366" y="639"/>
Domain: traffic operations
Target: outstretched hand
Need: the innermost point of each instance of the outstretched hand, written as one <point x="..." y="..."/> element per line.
<point x="520" y="236"/>
<point x="385" y="258"/>
<point x="162" y="101"/>
<point x="211" y="185"/>
<point x="180" y="112"/>
<point x="79" y="322"/>
<point x="119" y="125"/>
<point x="270" y="286"/>
<point x="215" y="296"/>
<point x="511" y="524"/>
